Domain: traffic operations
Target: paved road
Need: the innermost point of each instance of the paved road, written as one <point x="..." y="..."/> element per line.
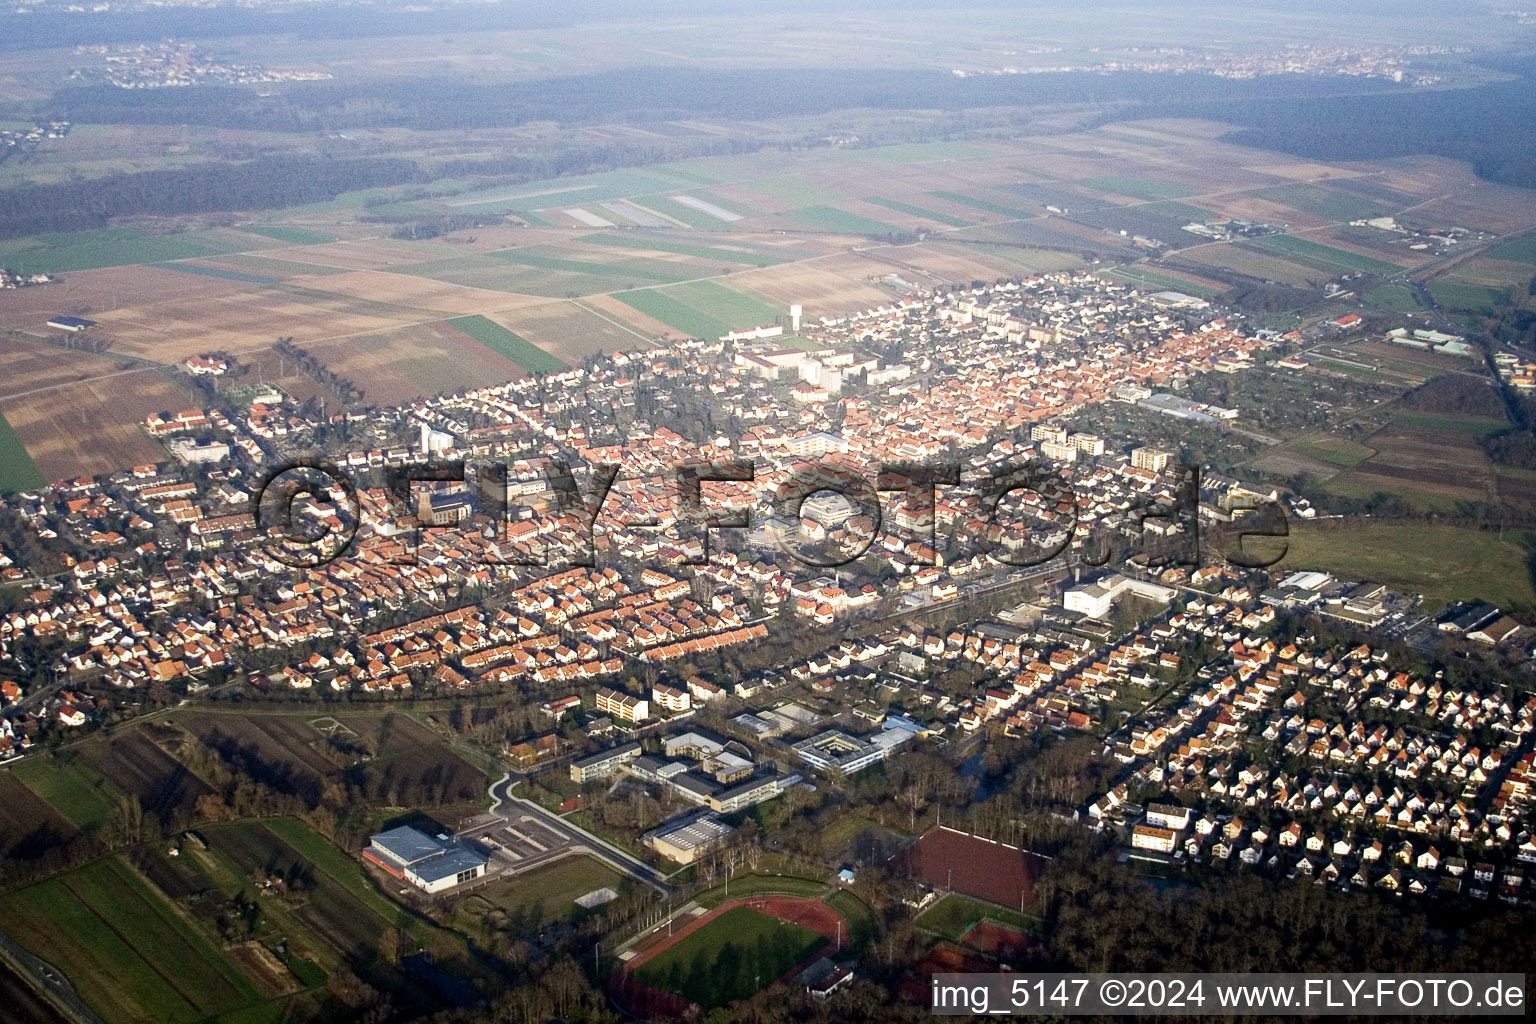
<point x="511" y="807"/>
<point x="46" y="980"/>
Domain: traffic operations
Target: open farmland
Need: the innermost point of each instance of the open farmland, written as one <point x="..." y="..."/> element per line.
<point x="124" y="948"/>
<point x="94" y="426"/>
<point x="507" y="344"/>
<point x="17" y="470"/>
<point x="407" y="363"/>
<point x="163" y="786"/>
<point x="29" y="825"/>
<point x="701" y="309"/>
<point x="571" y="331"/>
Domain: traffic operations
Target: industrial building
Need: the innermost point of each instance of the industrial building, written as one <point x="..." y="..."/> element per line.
<point x="684" y="841"/>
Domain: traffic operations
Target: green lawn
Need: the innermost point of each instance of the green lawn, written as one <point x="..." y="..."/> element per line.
<point x="17" y="470"/>
<point x="1336" y="451"/>
<point x="1136" y="188"/>
<point x="863" y="925"/>
<point x="69" y="787"/>
<point x="953" y="915"/>
<point x="283" y="233"/>
<point x="1476" y="298"/>
<point x="730" y="958"/>
<point x="1521" y="250"/>
<point x="752" y="885"/>
<point x="543" y="895"/>
<point x="918" y="211"/>
<point x="830" y="218"/>
<point x="502" y="341"/>
<point x="1444" y="563"/>
<point x="1323" y="257"/>
<point x="841" y="830"/>
<point x="1398" y="298"/>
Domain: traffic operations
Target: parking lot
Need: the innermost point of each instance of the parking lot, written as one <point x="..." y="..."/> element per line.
<point x="515" y="845"/>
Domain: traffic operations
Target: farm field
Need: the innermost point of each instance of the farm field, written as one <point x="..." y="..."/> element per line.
<point x="1397" y="298"/>
<point x="1162" y="280"/>
<point x="727" y="958"/>
<point x="509" y="345"/>
<point x="163" y="786"/>
<point x="702" y="309"/>
<point x="1465" y="295"/>
<point x="71" y="787"/>
<point x="29" y="825"/>
<point x="1444" y="563"/>
<point x="407" y="363"/>
<point x="1332" y="201"/>
<point x="1324" y="257"/>
<point x="17" y="470"/>
<point x="125" y="949"/>
<point x="113" y="247"/>
<point x="92" y="427"/>
<point x="571" y="331"/>
<point x="1137" y="188"/>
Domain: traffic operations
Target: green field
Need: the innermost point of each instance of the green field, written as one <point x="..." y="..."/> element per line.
<point x="503" y="342"/>
<point x="109" y="247"/>
<point x="1480" y="425"/>
<point x="1521" y="250"/>
<point x="70" y="787"/>
<point x="1444" y="563"/>
<point x="953" y="915"/>
<point x="621" y="273"/>
<point x="1398" y="298"/>
<point x="291" y="235"/>
<point x="1136" y="188"/>
<point x="730" y="958"/>
<point x="987" y="205"/>
<point x="1151" y="280"/>
<point x="918" y="211"/>
<point x="830" y="218"/>
<point x="1336" y="451"/>
<point x="863" y="924"/>
<point x="797" y="191"/>
<point x="124" y="948"/>
<point x="1334" y="204"/>
<point x="702" y="309"/>
<point x="17" y="470"/>
<point x="752" y="885"/>
<point x="1476" y="298"/>
<point x="538" y="898"/>
<point x="218" y="272"/>
<point x="1323" y="257"/>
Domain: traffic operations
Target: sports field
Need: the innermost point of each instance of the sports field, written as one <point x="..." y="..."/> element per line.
<point x="730" y="958"/>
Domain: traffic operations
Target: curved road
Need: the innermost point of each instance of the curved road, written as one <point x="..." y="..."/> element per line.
<point x="505" y="805"/>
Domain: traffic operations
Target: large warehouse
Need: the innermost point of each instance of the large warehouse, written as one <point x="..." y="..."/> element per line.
<point x="431" y="864"/>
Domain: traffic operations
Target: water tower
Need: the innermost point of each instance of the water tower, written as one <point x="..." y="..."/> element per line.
<point x="794" y="319"/>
